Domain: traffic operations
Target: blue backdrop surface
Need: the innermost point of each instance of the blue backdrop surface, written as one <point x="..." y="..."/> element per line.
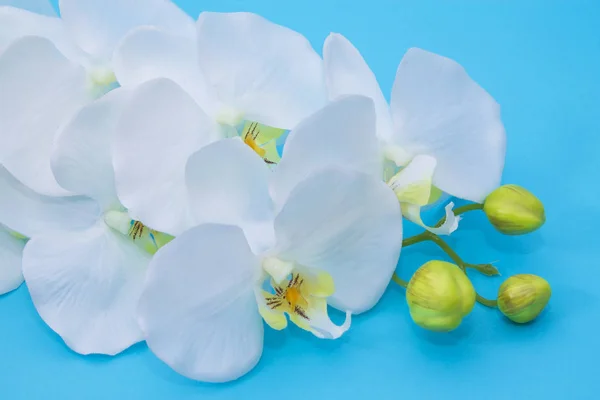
<point x="541" y="61"/>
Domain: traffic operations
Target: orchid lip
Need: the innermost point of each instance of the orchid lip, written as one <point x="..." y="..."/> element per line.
<point x="302" y="294"/>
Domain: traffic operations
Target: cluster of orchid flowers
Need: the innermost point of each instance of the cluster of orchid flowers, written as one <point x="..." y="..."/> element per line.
<point x="143" y="196"/>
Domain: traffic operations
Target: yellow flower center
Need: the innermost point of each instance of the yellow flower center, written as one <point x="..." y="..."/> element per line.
<point x="250" y="139"/>
<point x="142" y="236"/>
<point x="148" y="239"/>
<point x="289" y="298"/>
<point x="263" y="140"/>
<point x="302" y="297"/>
<point x="294" y="298"/>
<point x="300" y="293"/>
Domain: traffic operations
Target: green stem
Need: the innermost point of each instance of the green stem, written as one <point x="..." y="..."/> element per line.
<point x="399" y="280"/>
<point x="486" y="269"/>
<point x="468" y="207"/>
<point x="460" y="210"/>
<point x="444" y="246"/>
<point x="486" y="302"/>
<point x="414" y="239"/>
<point x="426" y="235"/>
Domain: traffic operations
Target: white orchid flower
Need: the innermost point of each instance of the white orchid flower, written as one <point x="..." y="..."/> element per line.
<point x="50" y="67"/>
<point x="443" y="127"/>
<point x="341" y="223"/>
<point x="85" y="278"/>
<point x="333" y="236"/>
<point x="157" y="134"/>
<point x="24" y="213"/>
<point x="239" y="67"/>
<point x="159" y="129"/>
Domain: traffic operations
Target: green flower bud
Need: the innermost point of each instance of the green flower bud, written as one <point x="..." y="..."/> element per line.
<point x="439" y="296"/>
<point x="514" y="210"/>
<point x="522" y="298"/>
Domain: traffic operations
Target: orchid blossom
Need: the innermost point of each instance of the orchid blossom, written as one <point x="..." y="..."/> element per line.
<point x="441" y="127"/>
<point x="85" y="278"/>
<point x="240" y="67"/>
<point x="50" y="67"/>
<point x="124" y="130"/>
<point x="259" y="247"/>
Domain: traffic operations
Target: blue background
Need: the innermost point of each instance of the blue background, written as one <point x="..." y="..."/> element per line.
<point x="540" y="60"/>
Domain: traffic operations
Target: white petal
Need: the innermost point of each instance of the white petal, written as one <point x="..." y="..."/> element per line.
<point x="198" y="309"/>
<point x="439" y="110"/>
<point x="341" y="134"/>
<point x="267" y="71"/>
<point x="228" y="184"/>
<point x="348" y="73"/>
<point x="11" y="251"/>
<point x="348" y="224"/>
<point x="324" y="328"/>
<point x="16" y="23"/>
<point x="86" y="285"/>
<point x="413" y="213"/>
<point x="97" y="26"/>
<point x="147" y="53"/>
<point x="412" y="186"/>
<point x="40" y="91"/>
<point x="37" y="6"/>
<point x="82" y="156"/>
<point x="161" y="127"/>
<point x="29" y="213"/>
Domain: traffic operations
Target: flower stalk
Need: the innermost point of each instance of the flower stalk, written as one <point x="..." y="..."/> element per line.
<point x="461" y="210"/>
<point x="485" y="269"/>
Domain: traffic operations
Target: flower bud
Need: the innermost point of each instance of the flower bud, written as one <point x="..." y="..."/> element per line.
<point x="522" y="298"/>
<point x="514" y="210"/>
<point x="439" y="296"/>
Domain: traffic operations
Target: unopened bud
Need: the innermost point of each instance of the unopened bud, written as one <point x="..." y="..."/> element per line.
<point x="514" y="210"/>
<point x="439" y="296"/>
<point x="522" y="298"/>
